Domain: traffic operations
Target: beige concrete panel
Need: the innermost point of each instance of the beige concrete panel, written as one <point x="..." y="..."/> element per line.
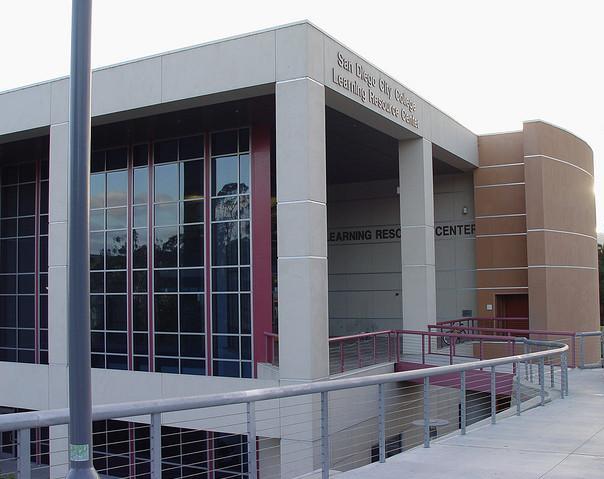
<point x="303" y="318"/>
<point x="509" y="278"/>
<point x="129" y="86"/>
<point x="500" y="149"/>
<point x="29" y="108"/>
<point x="418" y="246"/>
<point x="24" y="385"/>
<point x="300" y="142"/>
<point x="560" y="249"/>
<point x="501" y="225"/>
<point x="303" y="229"/>
<point x="299" y="52"/>
<point x="59" y="101"/>
<point x="58" y="386"/>
<point x="541" y="138"/>
<point x="217" y="67"/>
<point x="501" y="200"/>
<point x="57" y="315"/>
<point x="59" y="173"/>
<point x="497" y="176"/>
<point x="419" y="297"/>
<point x="501" y="252"/>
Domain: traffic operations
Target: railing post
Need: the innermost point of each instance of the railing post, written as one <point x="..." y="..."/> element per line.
<point x="426" y="412"/>
<point x="424" y="348"/>
<point x="564" y="373"/>
<point x="451" y="349"/>
<point x="155" y="445"/>
<point x="397" y="349"/>
<point x="23" y="454"/>
<point x="463" y="401"/>
<point x="526" y="368"/>
<point x="582" y="352"/>
<point x="374" y="349"/>
<point x="542" y="380"/>
<point x="325" y="456"/>
<point x="251" y="441"/>
<point x="389" y="354"/>
<point x="551" y="375"/>
<point x="382" y="423"/>
<point x="518" y="397"/>
<point x="493" y="396"/>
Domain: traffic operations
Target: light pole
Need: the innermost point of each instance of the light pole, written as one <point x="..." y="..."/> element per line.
<point x="78" y="275"/>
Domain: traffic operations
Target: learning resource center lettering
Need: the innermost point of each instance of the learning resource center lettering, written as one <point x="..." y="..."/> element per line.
<point x="389" y="233"/>
<point x="368" y="87"/>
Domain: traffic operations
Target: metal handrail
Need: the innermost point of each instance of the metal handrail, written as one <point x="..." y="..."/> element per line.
<point x="35" y="419"/>
<point x="24" y="422"/>
<point x="582" y="336"/>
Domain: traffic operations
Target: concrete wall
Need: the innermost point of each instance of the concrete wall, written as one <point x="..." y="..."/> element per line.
<point x="455" y="249"/>
<point x="364" y="275"/>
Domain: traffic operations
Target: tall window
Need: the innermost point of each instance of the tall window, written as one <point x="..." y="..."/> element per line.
<point x="178" y="256"/>
<point x="231" y="284"/>
<point x="24" y="262"/>
<point x="139" y="235"/>
<point x="108" y="265"/>
<point x="154" y="223"/>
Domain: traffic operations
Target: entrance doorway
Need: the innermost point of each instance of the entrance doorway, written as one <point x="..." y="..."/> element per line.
<point x="513" y="306"/>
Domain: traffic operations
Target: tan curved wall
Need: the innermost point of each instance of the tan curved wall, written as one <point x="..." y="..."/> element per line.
<point x="561" y="229"/>
<point x="535" y="226"/>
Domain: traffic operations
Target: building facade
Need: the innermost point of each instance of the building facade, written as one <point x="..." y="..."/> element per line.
<point x="272" y="183"/>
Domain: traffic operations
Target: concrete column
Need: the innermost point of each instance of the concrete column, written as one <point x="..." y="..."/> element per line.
<point x="302" y="230"/>
<point x="57" y="292"/>
<point x="302" y="264"/>
<point x="417" y="233"/>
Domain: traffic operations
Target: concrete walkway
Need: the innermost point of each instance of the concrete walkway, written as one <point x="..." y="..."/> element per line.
<point x="563" y="440"/>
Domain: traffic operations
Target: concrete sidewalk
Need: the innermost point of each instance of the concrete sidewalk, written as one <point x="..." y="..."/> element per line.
<point x="563" y="440"/>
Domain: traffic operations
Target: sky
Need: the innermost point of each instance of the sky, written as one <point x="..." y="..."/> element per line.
<point x="490" y="64"/>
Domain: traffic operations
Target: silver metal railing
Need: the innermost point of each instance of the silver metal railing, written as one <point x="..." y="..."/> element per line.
<point x="481" y="389"/>
<point x="583" y="338"/>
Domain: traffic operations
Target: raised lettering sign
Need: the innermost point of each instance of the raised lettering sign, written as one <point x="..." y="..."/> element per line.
<point x="358" y="79"/>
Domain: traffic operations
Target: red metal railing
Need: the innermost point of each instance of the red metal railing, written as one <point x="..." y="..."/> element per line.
<point x="484" y="326"/>
<point x="422" y="347"/>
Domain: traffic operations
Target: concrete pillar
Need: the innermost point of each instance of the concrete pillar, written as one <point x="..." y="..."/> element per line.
<point x="417" y="234"/>
<point x="57" y="292"/>
<point x="302" y="230"/>
<point x="302" y="263"/>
